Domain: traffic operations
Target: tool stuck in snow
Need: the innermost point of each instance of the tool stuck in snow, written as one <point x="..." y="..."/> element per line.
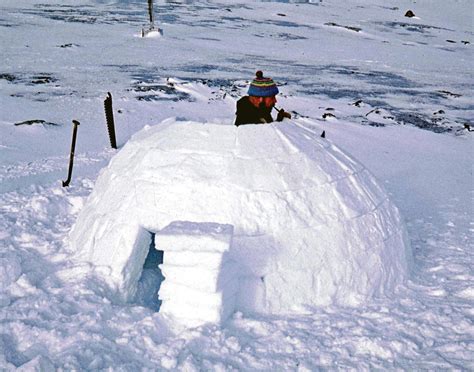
<point x="152" y="31"/>
<point x="109" y="117"/>
<point x="71" y="155"/>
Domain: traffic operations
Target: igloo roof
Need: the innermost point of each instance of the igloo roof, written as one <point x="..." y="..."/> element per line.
<point x="311" y="225"/>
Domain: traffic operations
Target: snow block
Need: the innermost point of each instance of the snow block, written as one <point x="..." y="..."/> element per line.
<point x="194" y="293"/>
<point x="296" y="220"/>
<point x="202" y="278"/>
<point x="195" y="237"/>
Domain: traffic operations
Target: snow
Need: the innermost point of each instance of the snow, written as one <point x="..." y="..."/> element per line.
<point x="59" y="62"/>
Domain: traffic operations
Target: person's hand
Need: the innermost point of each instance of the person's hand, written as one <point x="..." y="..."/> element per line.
<point x="283" y="114"/>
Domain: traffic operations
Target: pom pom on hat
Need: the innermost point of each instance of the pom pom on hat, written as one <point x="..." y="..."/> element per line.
<point x="262" y="87"/>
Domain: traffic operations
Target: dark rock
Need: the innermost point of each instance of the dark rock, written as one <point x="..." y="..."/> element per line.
<point x="8" y="77"/>
<point x="414" y="27"/>
<point x="36" y="121"/>
<point x="297" y="114"/>
<point x="43" y="79"/>
<point x="351" y="28"/>
<point x="421" y="122"/>
<point x="357" y="103"/>
<point x="377" y="111"/>
<point x="68" y="45"/>
<point x="449" y="94"/>
<point x="409" y="14"/>
<point x="465" y="42"/>
<point x="375" y="124"/>
<point x="439" y="112"/>
<point x="328" y="115"/>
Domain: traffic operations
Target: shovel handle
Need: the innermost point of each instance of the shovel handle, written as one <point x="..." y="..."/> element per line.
<point x="71" y="155"/>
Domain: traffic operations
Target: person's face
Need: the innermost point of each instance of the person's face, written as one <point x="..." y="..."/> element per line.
<point x="269" y="102"/>
<point x="264" y="102"/>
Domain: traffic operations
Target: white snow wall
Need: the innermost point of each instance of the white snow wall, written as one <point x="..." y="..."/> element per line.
<point x="311" y="225"/>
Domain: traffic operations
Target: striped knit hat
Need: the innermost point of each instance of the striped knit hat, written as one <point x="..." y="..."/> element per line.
<point x="262" y="87"/>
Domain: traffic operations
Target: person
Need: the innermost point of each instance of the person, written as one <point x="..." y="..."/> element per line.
<point x="256" y="108"/>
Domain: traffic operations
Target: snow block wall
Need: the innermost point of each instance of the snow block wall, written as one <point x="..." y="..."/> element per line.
<point x="311" y="226"/>
<point x="201" y="281"/>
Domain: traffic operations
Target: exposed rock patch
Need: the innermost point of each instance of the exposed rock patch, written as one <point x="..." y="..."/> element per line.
<point x="37" y="121"/>
<point x="68" y="45"/>
<point x="447" y="93"/>
<point x="350" y="28"/>
<point x="8" y="77"/>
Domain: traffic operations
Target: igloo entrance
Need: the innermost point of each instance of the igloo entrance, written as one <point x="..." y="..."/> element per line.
<point x="187" y="273"/>
<point x="151" y="278"/>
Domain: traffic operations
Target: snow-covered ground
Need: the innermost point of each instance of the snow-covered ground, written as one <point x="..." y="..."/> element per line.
<point x="399" y="91"/>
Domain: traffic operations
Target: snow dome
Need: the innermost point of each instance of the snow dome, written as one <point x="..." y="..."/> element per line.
<point x="285" y="216"/>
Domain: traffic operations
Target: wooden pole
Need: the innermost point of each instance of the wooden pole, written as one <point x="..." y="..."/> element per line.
<point x="150" y="13"/>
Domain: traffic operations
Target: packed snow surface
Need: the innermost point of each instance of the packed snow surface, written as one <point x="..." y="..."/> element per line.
<point x="392" y="91"/>
<point x="311" y="225"/>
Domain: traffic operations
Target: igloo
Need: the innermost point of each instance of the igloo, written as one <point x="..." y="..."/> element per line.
<point x="291" y="220"/>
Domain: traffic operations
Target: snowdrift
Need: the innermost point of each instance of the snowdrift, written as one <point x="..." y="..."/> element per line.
<point x="303" y="223"/>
